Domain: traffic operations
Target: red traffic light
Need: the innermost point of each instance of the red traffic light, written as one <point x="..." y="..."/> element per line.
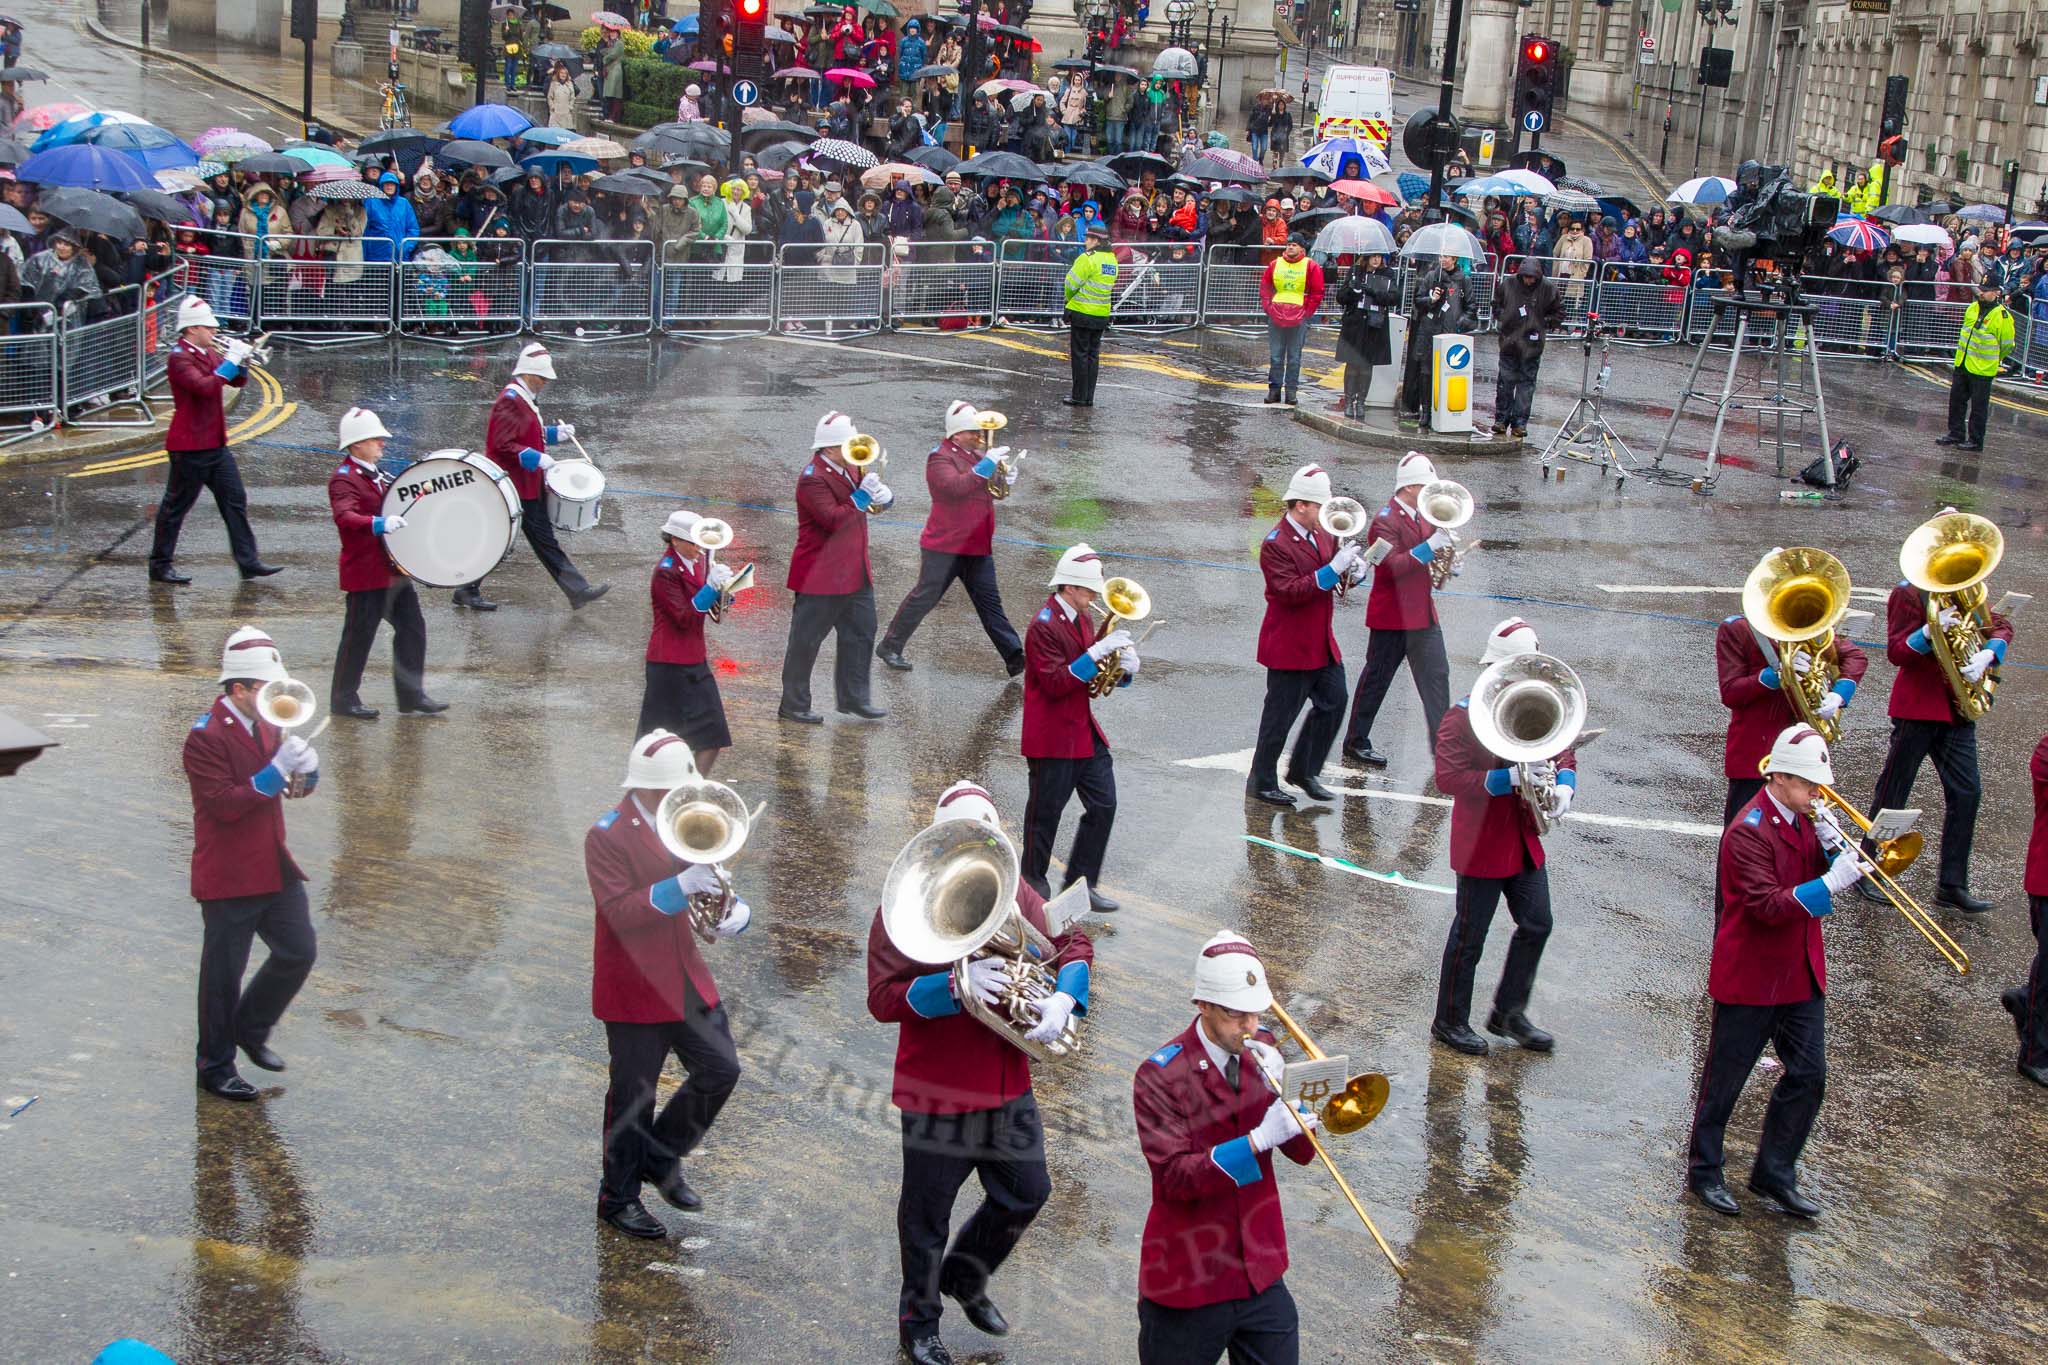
<point x="753" y="9"/>
<point x="1535" y="50"/>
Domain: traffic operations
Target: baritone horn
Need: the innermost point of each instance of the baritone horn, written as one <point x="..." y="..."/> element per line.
<point x="1345" y="519"/>
<point x="1794" y="598"/>
<point x="1122" y="600"/>
<point x="1527" y="709"/>
<point x="290" y="705"/>
<point x="701" y="821"/>
<point x="1445" y="504"/>
<point x="1948" y="558"/>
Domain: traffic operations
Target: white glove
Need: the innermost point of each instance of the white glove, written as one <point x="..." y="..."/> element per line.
<point x="393" y="523"/>
<point x="871" y="484"/>
<point x="737" y="918"/>
<point x="309" y="762"/>
<point x="1829" y="704"/>
<point x="547" y="462"/>
<point x="998" y="454"/>
<point x="1949" y="618"/>
<point x="884" y="495"/>
<point x="1016" y="465"/>
<point x="722" y="576"/>
<point x="1283" y="1122"/>
<point x="1053" y="1013"/>
<point x="290" y="755"/>
<point x="1832" y="840"/>
<point x="698" y="879"/>
<point x="985" y="977"/>
<point x="1440" y="540"/>
<point x="1129" y="659"/>
<point x="1560" y="801"/>
<point x="1110" y="644"/>
<point x="1802" y="663"/>
<point x="565" y="431"/>
<point x="1978" y="663"/>
<point x="1844" y="872"/>
<point x="1348" y="557"/>
<point x="236" y="350"/>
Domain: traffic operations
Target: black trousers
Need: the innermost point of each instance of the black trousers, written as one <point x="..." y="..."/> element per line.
<point x="936" y="571"/>
<point x="1357" y="383"/>
<point x="1286" y="689"/>
<point x="1514" y="389"/>
<point x="1006" y="1148"/>
<point x="850" y="617"/>
<point x="1261" y="1330"/>
<point x="1799" y="1033"/>
<point x="1415" y="380"/>
<point x="1053" y="783"/>
<point x="1741" y="790"/>
<point x="229" y="1012"/>
<point x="2034" y="994"/>
<point x="640" y="1144"/>
<point x="1969" y="402"/>
<point x="1385" y="650"/>
<point x="191" y="471"/>
<point x="1528" y="893"/>
<point x="1084" y="357"/>
<point x="540" y="534"/>
<point x="361" y="615"/>
<point x="1953" y="747"/>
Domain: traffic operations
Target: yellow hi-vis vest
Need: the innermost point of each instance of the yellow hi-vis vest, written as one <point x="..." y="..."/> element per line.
<point x="1985" y="339"/>
<point x="1089" y="281"/>
<point x="1290" y="281"/>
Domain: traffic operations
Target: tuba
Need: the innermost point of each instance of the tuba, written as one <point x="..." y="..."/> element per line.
<point x="1793" y="598"/>
<point x="865" y="454"/>
<point x="290" y="705"/>
<point x="1948" y="558"/>
<point x="1343" y="518"/>
<point x="703" y="821"/>
<point x="998" y="482"/>
<point x="951" y="896"/>
<point x="1122" y="600"/>
<point x="1445" y="504"/>
<point x="1527" y="709"/>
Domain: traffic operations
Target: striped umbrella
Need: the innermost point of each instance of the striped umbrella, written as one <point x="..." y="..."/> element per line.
<point x="1858" y="235"/>
<point x="1704" y="189"/>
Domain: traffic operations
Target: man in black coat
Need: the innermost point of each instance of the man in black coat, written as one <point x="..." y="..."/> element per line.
<point x="1530" y="309"/>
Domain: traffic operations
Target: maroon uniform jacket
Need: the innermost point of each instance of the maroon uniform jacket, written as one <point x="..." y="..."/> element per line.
<point x="356" y="495"/>
<point x="947" y="1061"/>
<point x="516" y="426"/>
<point x="831" y="554"/>
<point x="197" y="419"/>
<point x="1920" y="689"/>
<point x="1493" y="831"/>
<point x="641" y="957"/>
<point x="963" y="516"/>
<point x="1757" y="714"/>
<point x="2037" y="846"/>
<point x="1767" y="943"/>
<point x="1058" y="722"/>
<point x="1214" y="1232"/>
<point x="237" y="831"/>
<point x="1401" y="596"/>
<point x="1297" y="632"/>
<point x="678" y="635"/>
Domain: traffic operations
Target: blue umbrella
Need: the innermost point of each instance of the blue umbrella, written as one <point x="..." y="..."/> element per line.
<point x="76" y="127"/>
<point x="152" y="146"/>
<point x="1411" y="186"/>
<point x="547" y="162"/>
<point x="483" y="122"/>
<point x="1500" y="187"/>
<point x="82" y="166"/>
<point x="1347" y="156"/>
<point x="540" y="136"/>
<point x="686" y="25"/>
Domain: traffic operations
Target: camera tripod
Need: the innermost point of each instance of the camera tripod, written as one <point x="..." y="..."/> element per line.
<point x="1587" y="436"/>
<point x="1769" y="394"/>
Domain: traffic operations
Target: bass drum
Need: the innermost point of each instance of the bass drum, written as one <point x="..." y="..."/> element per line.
<point x="460" y="511"/>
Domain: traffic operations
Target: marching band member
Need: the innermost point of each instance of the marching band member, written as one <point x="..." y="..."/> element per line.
<point x="198" y="444"/>
<point x="375" y="592"/>
<point x="517" y="443"/>
<point x="1769" y="974"/>
<point x="1758" y="709"/>
<point x="651" y="987"/>
<point x="1215" y="1249"/>
<point x="243" y="876"/>
<point x="1925" y="724"/>
<point x="681" y="694"/>
<point x="1496" y="851"/>
<point x="1303" y="566"/>
<point x="1064" y="748"/>
<point x="1400" y="614"/>
<point x="958" y="539"/>
<point x="2028" y="1004"/>
<point x="831" y="577"/>
<point x="967" y="1109"/>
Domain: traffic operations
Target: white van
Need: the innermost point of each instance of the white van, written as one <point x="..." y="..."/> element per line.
<point x="1356" y="101"/>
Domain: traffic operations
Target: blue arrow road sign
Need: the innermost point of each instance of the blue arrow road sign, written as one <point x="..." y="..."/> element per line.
<point x="1458" y="357"/>
<point x="1531" y="121"/>
<point x="745" y="94"/>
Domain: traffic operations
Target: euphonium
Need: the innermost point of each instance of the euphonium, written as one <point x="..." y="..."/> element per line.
<point x="866" y="455"/>
<point x="951" y="897"/>
<point x="1345" y="519"/>
<point x="1948" y="558"/>
<point x="1793" y="598"/>
<point x="1122" y="600"/>
<point x="998" y="482"/>
<point x="290" y="705"/>
<point x="1445" y="504"/>
<point x="1527" y="709"/>
<point x="702" y="821"/>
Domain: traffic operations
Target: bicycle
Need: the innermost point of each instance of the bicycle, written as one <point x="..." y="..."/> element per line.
<point x="395" y="113"/>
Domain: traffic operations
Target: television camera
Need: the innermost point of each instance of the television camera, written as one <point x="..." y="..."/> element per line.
<point x="1770" y="226"/>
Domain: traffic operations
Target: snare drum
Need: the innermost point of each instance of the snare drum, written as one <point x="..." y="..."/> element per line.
<point x="460" y="510"/>
<point x="575" y="494"/>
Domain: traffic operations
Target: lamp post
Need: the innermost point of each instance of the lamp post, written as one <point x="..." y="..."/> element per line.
<point x="1180" y="21"/>
<point x="1095" y="15"/>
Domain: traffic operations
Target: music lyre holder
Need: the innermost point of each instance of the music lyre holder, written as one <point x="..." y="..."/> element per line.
<point x="1770" y="395"/>
<point x="1586" y="435"/>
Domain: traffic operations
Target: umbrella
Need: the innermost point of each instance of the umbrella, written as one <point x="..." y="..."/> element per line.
<point x="1072" y="64"/>
<point x="548" y="137"/>
<point x="878" y="7"/>
<point x="162" y="207"/>
<point x="46" y="116"/>
<point x="315" y="156"/>
<point x="1981" y="213"/>
<point x="1353" y="235"/>
<point x="1444" y="239"/>
<point x="178" y="180"/>
<point x="1303" y="173"/>
<point x="690" y="139"/>
<point x="778" y="157"/>
<point x="1618" y="206"/>
<point x="1176" y="63"/>
<point x="1000" y="166"/>
<point x="505" y="7"/>
<point x="321" y="175"/>
<point x="1248" y="168"/>
<point x="234" y="153"/>
<point x="2029" y="229"/>
<point x="686" y="25"/>
<point x="271" y="163"/>
<point x="21" y="73"/>
<point x="207" y="170"/>
<point x="1107" y="70"/>
<point x="1529" y="179"/>
<point x="797" y="73"/>
<point x="847" y="75"/>
<point x="505" y="175"/>
<point x="1925" y="234"/>
<point x="822" y="11"/>
<point x="1498" y="187"/>
<point x="1411" y="186"/>
<point x="1703" y="189"/>
<point x="1012" y="31"/>
<point x="602" y="148"/>
<point x="1313" y="220"/>
<point x="773" y="129"/>
<point x="1858" y="235"/>
<point x="1233" y="194"/>
<point x="1095" y="175"/>
<point x="552" y="13"/>
<point x="154" y="148"/>
<point x="628" y="184"/>
<point x="878" y="177"/>
<point x="75" y="128"/>
<point x="1335" y="156"/>
<point x="486" y="121"/>
<point x="1896" y="214"/>
<point x="1366" y="192"/>
<point x="675" y="163"/>
<point x="1002" y="85"/>
<point x="343" y="189"/>
<point x="548" y="162"/>
<point x="1570" y="201"/>
<point x="941" y="69"/>
<point x="568" y="56"/>
<point x="605" y="18"/>
<point x="465" y="152"/>
<point x="11" y="220"/>
<point x="85" y="167"/>
<point x="933" y="158"/>
<point x="1131" y="165"/>
<point x="847" y="154"/>
<point x="391" y="141"/>
<point x="704" y="64"/>
<point x="1209" y="166"/>
<point x="91" y="211"/>
<point x="1022" y="99"/>
<point x="1584" y="184"/>
<point x="779" y="35"/>
<point x="11" y="152"/>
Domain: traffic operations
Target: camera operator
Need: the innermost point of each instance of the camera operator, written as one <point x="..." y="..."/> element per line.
<point x="1983" y="344"/>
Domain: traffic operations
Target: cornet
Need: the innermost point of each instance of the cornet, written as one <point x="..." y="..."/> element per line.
<point x="1948" y="557"/>
<point x="702" y="821"/>
<point x="1445" y="504"/>
<point x="1345" y="519"/>
<point x="1122" y="600"/>
<point x="1794" y="598"/>
<point x="998" y="482"/>
<point x="866" y="455"/>
<point x="290" y="705"/>
<point x="712" y="535"/>
<point x="1527" y="709"/>
<point x="259" y="347"/>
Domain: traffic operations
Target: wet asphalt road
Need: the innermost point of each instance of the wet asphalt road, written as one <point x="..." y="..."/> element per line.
<point x="420" y="1183"/>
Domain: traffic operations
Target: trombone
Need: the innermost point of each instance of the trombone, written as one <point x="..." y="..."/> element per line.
<point x="1948" y="558"/>
<point x="1793" y="598"/>
<point x="712" y="535"/>
<point x="1445" y="504"/>
<point x="865" y="454"/>
<point x="1122" y="600"/>
<point x="290" y="705"/>
<point x="998" y="482"/>
<point x="1343" y="518"/>
<point x="701" y="821"/>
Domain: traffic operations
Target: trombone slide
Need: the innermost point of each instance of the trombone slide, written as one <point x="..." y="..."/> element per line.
<point x="1902" y="900"/>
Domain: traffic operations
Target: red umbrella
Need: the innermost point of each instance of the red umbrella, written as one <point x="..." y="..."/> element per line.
<point x="1367" y="191"/>
<point x="46" y="116"/>
<point x="846" y="75"/>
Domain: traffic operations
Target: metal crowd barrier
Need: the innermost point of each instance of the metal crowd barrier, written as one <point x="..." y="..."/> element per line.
<point x="29" y="365"/>
<point x="1930" y="328"/>
<point x="948" y="285"/>
<point x="225" y="277"/>
<point x="1031" y="287"/>
<point x="830" y="291"/>
<point x="318" y="300"/>
<point x="718" y="289"/>
<point x="1230" y="291"/>
<point x="1852" y="317"/>
<point x="159" y="326"/>
<point x="451" y="301"/>
<point x="1577" y="295"/>
<point x="1158" y="290"/>
<point x="1642" y="311"/>
<point x="101" y="362"/>
<point x="591" y="291"/>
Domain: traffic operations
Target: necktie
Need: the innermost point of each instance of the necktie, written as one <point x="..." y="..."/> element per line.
<point x="1230" y="1072"/>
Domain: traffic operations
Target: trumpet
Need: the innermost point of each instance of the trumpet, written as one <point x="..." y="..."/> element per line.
<point x="1891" y="856"/>
<point x="1122" y="600"/>
<point x="290" y="705"/>
<point x="1948" y="558"/>
<point x="1343" y="518"/>
<point x="1792" y="599"/>
<point x="259" y="347"/>
<point x="998" y="482"/>
<point x="1527" y="709"/>
<point x="865" y="454"/>
<point x="1445" y="504"/>
<point x="702" y="821"/>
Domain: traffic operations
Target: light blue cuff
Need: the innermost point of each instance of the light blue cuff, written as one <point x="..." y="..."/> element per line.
<point x="667" y="896"/>
<point x="1073" y="979"/>
<point x="1326" y="578"/>
<point x="1237" y="1160"/>
<point x="551" y="433"/>
<point x="268" y="781"/>
<point x="1423" y="554"/>
<point x="1814" y="896"/>
<point x="862" y="499"/>
<point x="1568" y="777"/>
<point x="377" y="526"/>
<point x="529" y="458"/>
<point x="1996" y="647"/>
<point x="706" y="598"/>
<point x="932" y="996"/>
<point x="986" y="467"/>
<point x="1769" y="678"/>
<point x="228" y="369"/>
<point x="1919" y="643"/>
<point x="1845" y="688"/>
<point x="1084" y="667"/>
<point x="1500" y="782"/>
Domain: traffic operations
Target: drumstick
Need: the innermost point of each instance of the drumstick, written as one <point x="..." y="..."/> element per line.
<point x="581" y="451"/>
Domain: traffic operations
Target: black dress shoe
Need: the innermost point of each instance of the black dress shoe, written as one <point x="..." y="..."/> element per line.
<point x="1316" y="790"/>
<point x="929" y="1350"/>
<point x="474" y="600"/>
<point x="2037" y="1074"/>
<point x="1459" y="1037"/>
<point x="800" y="717"/>
<point x="355" y="710"/>
<point x="170" y="576"/>
<point x="893" y="658"/>
<point x="1366" y="754"/>
<point x="261" y="1054"/>
<point x="230" y="1087"/>
<point x="983" y="1313"/>
<point x="1071" y="402"/>
<point x="864" y="711"/>
<point x="1516" y="1025"/>
<point x="579" y="600"/>
<point x="635" y="1221"/>
<point x="262" y="570"/>
<point x="675" y="1189"/>
<point x="1948" y="440"/>
<point x="1969" y="445"/>
<point x="422" y="705"/>
<point x="1788" y="1197"/>
<point x="1959" y="897"/>
<point x="1099" y="903"/>
<point x="1272" y="796"/>
<point x="1715" y="1196"/>
<point x="2015" y="1002"/>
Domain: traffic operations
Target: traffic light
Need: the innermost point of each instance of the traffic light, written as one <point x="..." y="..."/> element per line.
<point x="1535" y="83"/>
<point x="1893" y="123"/>
<point x="750" y="38"/>
<point x="1717" y="66"/>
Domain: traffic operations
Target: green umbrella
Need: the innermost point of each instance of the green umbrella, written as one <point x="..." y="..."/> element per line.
<point x="880" y="7"/>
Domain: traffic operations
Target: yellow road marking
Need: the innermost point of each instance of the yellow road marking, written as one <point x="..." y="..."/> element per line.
<point x="272" y="413"/>
<point x="1150" y="364"/>
<point x="1941" y="381"/>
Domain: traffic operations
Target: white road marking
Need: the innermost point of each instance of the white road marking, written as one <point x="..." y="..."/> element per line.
<point x="1240" y="763"/>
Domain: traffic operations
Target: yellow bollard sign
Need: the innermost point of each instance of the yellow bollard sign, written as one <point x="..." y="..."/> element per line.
<point x="1451" y="389"/>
